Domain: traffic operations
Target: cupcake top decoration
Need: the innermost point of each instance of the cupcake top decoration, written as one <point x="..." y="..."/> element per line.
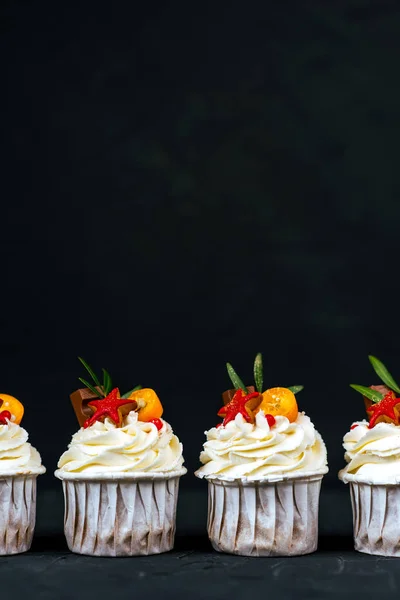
<point x="381" y="401"/>
<point x="120" y="435"/>
<point x="372" y="445"/>
<point x="100" y="400"/>
<point x="11" y="409"/>
<point x="372" y="470"/>
<point x="249" y="400"/>
<point x="262" y="435"/>
<point x="17" y="456"/>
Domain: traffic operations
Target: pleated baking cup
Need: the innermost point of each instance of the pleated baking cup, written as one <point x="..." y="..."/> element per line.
<point x="269" y="517"/>
<point x="17" y="513"/>
<point x="376" y="516"/>
<point x="120" y="514"/>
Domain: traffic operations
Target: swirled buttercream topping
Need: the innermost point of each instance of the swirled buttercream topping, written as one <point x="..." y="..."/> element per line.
<point x="135" y="447"/>
<point x="241" y="449"/>
<point x="373" y="455"/>
<point x="17" y="456"/>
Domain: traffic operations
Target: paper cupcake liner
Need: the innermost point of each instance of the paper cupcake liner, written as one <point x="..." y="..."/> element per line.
<point x="264" y="518"/>
<point x="376" y="518"/>
<point x="120" y="517"/>
<point x="17" y="513"/>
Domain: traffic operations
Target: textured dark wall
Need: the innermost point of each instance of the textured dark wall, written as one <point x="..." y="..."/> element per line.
<point x="185" y="184"/>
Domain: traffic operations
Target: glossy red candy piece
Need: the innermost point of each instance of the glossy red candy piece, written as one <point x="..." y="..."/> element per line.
<point x="271" y="420"/>
<point x="5" y="416"/>
<point x="157" y="422"/>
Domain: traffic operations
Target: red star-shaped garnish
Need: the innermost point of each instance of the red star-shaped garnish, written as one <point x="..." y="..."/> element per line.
<point x="108" y="407"/>
<point x="237" y="406"/>
<point x="385" y="408"/>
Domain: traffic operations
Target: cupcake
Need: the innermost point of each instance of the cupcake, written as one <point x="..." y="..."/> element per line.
<point x="372" y="453"/>
<point x="20" y="464"/>
<point x="120" y="473"/>
<point x="264" y="464"/>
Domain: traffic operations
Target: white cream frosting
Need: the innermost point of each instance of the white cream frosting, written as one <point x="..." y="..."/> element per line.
<point x="17" y="456"/>
<point x="243" y="450"/>
<point x="373" y="455"/>
<point x="135" y="447"/>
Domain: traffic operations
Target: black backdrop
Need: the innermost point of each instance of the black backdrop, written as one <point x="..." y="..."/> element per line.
<point x="189" y="183"/>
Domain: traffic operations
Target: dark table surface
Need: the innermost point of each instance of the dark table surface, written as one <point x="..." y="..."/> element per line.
<point x="194" y="570"/>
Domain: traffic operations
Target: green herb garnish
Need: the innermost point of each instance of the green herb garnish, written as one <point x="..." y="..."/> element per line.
<point x="96" y="380"/>
<point x="135" y="389"/>
<point x="367" y="392"/>
<point x="258" y="377"/>
<point x="383" y="373"/>
<point x="90" y="371"/>
<point x="258" y="372"/>
<point x="104" y="388"/>
<point x="234" y="377"/>
<point x="91" y="387"/>
<point x="107" y="383"/>
<point x="296" y="388"/>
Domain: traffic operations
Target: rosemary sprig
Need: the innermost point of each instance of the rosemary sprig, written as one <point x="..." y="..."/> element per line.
<point x="383" y="373"/>
<point x="258" y="377"/>
<point x="90" y="371"/>
<point x="234" y="377"/>
<point x="367" y="392"/>
<point x="135" y="389"/>
<point x="107" y="382"/>
<point x="258" y="372"/>
<point x="104" y="388"/>
<point x="90" y="386"/>
<point x="95" y="380"/>
<point x="296" y="388"/>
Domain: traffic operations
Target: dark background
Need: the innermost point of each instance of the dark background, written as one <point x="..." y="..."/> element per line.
<point x="189" y="183"/>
